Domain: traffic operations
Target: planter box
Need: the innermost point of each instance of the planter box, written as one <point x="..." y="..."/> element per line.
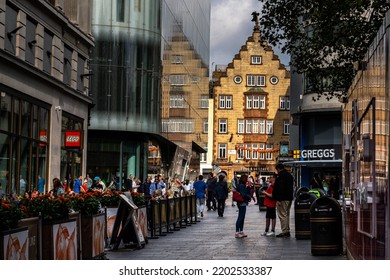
<point x="92" y="236"/>
<point x="111" y="213"/>
<point x="34" y="237"/>
<point x="14" y="244"/>
<point x="59" y="240"/>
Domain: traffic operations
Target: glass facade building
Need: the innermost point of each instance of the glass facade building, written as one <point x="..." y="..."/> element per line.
<point x="130" y="38"/>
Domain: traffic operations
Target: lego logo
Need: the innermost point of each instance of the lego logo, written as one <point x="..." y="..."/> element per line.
<point x="73" y="139"/>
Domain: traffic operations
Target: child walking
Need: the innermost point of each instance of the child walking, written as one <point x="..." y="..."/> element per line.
<point x="270" y="203"/>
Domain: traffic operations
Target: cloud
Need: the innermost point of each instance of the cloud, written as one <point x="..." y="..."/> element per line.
<point x="231" y="25"/>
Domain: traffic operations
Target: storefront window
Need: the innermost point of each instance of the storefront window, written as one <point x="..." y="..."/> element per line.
<point x="22" y="157"/>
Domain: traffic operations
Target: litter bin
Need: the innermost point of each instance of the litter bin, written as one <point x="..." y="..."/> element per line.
<point x="262" y="207"/>
<point x="302" y="206"/>
<point x="301" y="190"/>
<point x="326" y="227"/>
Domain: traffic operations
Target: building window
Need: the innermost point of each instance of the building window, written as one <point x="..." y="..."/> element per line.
<point x="284" y="103"/>
<point x="177" y="59"/>
<point x="248" y="128"/>
<point x="177" y="125"/>
<point x="269" y="156"/>
<point x="203" y="157"/>
<point x="256" y="59"/>
<point x="31" y="42"/>
<point x="248" y="151"/>
<point x="255" y="126"/>
<point x="262" y="126"/>
<point x="204" y="101"/>
<point x="225" y="102"/>
<point x="178" y="80"/>
<point x="240" y="152"/>
<point x="262" y="155"/>
<point x="120" y="11"/>
<point x="67" y="65"/>
<point x="256" y="102"/>
<point x="262" y="102"/>
<point x="47" y="51"/>
<point x="222" y="126"/>
<point x="286" y="127"/>
<point x="205" y="126"/>
<point x="80" y="73"/>
<point x="270" y="127"/>
<point x="249" y="102"/>
<point x="11" y="29"/>
<point x="255" y="153"/>
<point x="222" y="151"/>
<point x="240" y="126"/>
<point x="274" y="80"/>
<point x="255" y="80"/>
<point x="176" y="101"/>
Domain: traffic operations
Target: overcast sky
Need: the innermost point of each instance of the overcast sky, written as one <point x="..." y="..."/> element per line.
<point x="231" y="25"/>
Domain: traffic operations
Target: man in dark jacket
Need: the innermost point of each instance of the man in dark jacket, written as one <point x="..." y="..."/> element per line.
<point x="211" y="186"/>
<point x="283" y="193"/>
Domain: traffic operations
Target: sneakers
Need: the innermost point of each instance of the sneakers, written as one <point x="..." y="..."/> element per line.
<point x="268" y="233"/>
<point x="240" y="235"/>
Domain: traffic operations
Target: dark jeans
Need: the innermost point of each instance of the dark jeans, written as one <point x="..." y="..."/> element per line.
<point x="221" y="206"/>
<point x="240" y="218"/>
<point x="211" y="202"/>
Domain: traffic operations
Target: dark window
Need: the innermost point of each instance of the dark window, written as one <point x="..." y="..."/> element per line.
<point x="67" y="65"/>
<point x="120" y="11"/>
<point x="11" y="29"/>
<point x="47" y="51"/>
<point x="31" y="27"/>
<point x="80" y="73"/>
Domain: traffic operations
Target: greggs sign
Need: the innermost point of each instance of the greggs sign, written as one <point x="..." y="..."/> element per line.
<point x="72" y="139"/>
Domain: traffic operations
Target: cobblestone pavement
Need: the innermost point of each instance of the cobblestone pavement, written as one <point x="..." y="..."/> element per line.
<point x="213" y="239"/>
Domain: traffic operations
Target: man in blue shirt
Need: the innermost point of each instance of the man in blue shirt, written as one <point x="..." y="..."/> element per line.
<point x="200" y="188"/>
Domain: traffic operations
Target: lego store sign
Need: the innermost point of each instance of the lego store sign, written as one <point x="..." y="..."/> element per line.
<point x="72" y="139"/>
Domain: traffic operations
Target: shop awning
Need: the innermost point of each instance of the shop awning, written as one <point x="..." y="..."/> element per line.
<point x="315" y="163"/>
<point x="197" y="148"/>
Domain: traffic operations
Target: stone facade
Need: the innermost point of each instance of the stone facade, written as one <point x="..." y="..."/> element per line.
<point x="251" y="110"/>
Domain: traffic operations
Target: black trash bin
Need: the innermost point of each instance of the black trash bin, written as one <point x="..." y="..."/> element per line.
<point x="326" y="227"/>
<point x="262" y="207"/>
<point x="302" y="206"/>
<point x="301" y="190"/>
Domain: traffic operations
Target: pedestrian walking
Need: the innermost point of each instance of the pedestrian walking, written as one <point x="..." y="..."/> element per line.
<point x="242" y="189"/>
<point x="270" y="203"/>
<point x="211" y="185"/>
<point x="200" y="188"/>
<point x="283" y="193"/>
<point x="221" y="193"/>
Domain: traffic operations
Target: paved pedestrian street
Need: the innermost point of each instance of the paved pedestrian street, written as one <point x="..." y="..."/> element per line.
<point x="213" y="239"/>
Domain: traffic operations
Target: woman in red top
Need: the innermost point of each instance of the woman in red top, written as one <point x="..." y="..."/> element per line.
<point x="270" y="203"/>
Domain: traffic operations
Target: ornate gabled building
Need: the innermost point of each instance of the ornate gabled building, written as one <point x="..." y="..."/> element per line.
<point x="251" y="110"/>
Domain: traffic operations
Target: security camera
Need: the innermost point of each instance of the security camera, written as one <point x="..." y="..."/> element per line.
<point x="58" y="108"/>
